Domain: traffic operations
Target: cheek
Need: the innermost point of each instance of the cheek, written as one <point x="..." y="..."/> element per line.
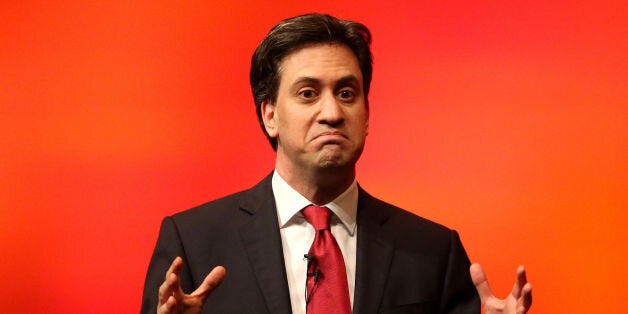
<point x="362" y="122"/>
<point x="294" y="127"/>
<point x="296" y="121"/>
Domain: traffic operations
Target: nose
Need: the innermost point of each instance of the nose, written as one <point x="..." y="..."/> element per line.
<point x="331" y="112"/>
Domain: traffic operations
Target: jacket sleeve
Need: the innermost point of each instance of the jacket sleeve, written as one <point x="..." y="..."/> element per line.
<point x="168" y="247"/>
<point x="459" y="294"/>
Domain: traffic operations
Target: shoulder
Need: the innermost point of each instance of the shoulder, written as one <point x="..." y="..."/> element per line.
<point x="403" y="225"/>
<point x="212" y="209"/>
<point x="227" y="211"/>
<point x="391" y="213"/>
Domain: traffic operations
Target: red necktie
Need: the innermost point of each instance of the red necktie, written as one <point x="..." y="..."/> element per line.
<point x="327" y="288"/>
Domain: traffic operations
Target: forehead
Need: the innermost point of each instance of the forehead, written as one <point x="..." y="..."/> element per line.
<point x="320" y="61"/>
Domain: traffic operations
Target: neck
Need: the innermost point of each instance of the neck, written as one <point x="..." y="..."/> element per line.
<point x="320" y="186"/>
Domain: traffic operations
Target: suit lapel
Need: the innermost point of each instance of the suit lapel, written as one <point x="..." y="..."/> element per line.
<point x="374" y="254"/>
<point x="262" y="241"/>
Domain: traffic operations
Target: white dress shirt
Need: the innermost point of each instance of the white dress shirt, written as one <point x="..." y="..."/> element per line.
<point x="297" y="235"/>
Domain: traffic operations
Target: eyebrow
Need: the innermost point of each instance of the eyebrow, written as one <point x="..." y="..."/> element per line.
<point x="348" y="80"/>
<point x="305" y="80"/>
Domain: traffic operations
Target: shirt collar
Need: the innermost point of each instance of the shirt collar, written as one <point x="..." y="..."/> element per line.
<point x="289" y="203"/>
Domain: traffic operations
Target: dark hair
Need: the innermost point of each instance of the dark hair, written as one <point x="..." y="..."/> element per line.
<point x="298" y="32"/>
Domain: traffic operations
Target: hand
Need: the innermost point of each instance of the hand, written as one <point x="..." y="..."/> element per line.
<point x="519" y="300"/>
<point x="173" y="300"/>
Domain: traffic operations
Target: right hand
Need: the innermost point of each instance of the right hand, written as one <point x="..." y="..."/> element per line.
<point x="518" y="301"/>
<point x="173" y="300"/>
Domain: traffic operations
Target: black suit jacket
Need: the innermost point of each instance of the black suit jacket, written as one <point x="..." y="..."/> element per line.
<point x="404" y="263"/>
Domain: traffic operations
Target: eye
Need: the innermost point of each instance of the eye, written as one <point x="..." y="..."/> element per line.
<point x="307" y="93"/>
<point x="346" y="95"/>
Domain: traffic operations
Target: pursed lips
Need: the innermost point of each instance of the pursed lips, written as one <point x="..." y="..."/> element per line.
<point x="331" y="136"/>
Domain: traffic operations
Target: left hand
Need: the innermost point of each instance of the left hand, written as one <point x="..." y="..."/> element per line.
<point x="517" y="302"/>
<point x="173" y="300"/>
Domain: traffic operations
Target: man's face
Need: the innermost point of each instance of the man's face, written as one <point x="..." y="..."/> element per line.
<point x="320" y="118"/>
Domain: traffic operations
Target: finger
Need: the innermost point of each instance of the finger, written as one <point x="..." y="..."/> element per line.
<point x="175" y="267"/>
<point x="211" y="281"/>
<point x="168" y="288"/>
<point x="520" y="282"/>
<point x="525" y="302"/>
<point x="168" y="306"/>
<point x="480" y="282"/>
<point x="171" y="280"/>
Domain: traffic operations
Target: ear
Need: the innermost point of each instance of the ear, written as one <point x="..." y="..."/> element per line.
<point x="268" y="116"/>
<point x="366" y="124"/>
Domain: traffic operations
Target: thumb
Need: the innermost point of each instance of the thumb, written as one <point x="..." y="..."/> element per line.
<point x="480" y="282"/>
<point x="211" y="282"/>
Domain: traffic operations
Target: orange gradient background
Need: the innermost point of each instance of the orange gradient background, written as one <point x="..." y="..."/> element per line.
<point x="505" y="120"/>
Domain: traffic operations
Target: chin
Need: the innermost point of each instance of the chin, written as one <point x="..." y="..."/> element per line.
<point x="336" y="161"/>
<point x="331" y="164"/>
<point x="334" y="157"/>
<point x="330" y="160"/>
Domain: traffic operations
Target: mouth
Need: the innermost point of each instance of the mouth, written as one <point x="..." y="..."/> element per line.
<point x="331" y="137"/>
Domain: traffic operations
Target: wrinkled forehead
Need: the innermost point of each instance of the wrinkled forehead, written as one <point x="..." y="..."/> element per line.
<point x="319" y="61"/>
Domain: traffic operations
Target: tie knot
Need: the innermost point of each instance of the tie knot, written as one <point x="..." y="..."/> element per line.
<point x="318" y="216"/>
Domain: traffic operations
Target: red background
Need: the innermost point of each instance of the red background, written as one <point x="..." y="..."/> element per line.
<point x="505" y="120"/>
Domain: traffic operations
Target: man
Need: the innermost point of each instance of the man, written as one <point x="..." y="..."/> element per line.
<point x="310" y="78"/>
